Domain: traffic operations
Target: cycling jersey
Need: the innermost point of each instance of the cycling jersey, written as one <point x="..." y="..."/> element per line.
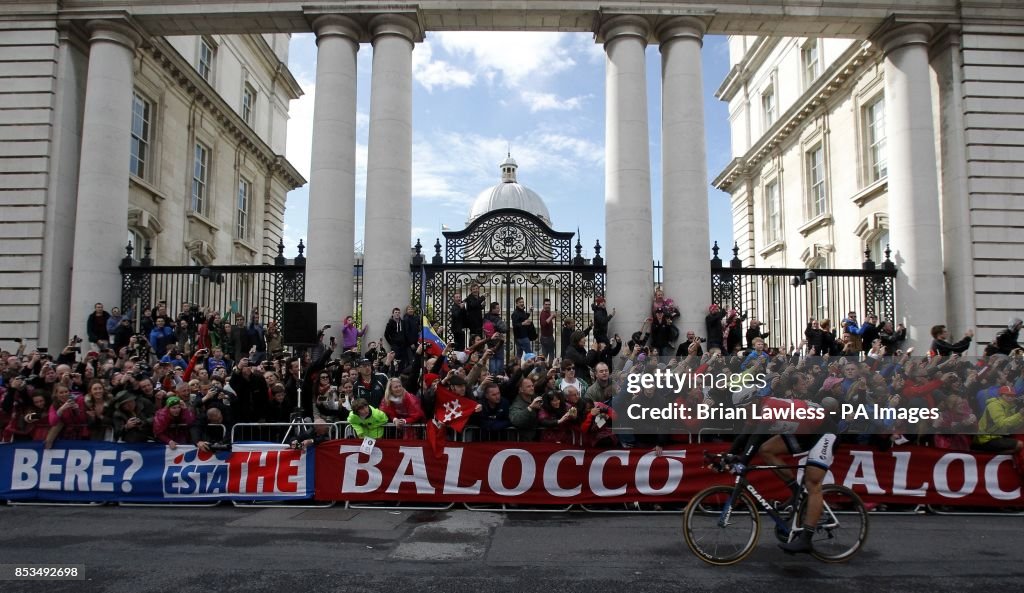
<point x="805" y="427"/>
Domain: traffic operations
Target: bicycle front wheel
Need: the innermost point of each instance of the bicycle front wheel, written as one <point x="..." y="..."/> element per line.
<point x="842" y="528"/>
<point x="721" y="528"/>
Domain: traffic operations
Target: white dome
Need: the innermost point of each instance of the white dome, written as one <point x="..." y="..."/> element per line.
<point x="509" y="194"/>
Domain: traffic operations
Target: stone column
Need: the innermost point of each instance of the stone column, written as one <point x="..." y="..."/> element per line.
<point x="913" y="182"/>
<point x="627" y="204"/>
<point x="685" y="242"/>
<point x="332" y="172"/>
<point x="101" y="222"/>
<point x="386" y="279"/>
<point x="957" y="250"/>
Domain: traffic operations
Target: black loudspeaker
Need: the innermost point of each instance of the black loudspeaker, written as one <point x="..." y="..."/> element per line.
<point x="298" y="324"/>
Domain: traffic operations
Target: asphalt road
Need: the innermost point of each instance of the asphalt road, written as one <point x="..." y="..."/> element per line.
<point x="295" y="550"/>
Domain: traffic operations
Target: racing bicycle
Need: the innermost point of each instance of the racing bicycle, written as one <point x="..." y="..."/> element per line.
<point x="722" y="524"/>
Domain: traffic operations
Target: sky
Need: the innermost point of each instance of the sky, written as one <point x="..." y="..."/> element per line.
<point x="478" y="95"/>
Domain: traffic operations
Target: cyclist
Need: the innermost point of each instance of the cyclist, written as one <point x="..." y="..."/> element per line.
<point x="815" y="436"/>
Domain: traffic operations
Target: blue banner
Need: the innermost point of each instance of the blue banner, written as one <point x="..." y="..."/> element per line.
<point x="86" y="471"/>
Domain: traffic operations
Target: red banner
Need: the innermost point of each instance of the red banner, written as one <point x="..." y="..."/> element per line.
<point x="538" y="473"/>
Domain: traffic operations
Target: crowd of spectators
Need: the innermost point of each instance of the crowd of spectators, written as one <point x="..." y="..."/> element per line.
<point x="190" y="378"/>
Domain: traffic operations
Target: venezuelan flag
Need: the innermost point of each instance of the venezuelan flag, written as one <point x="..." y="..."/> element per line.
<point x="434" y="344"/>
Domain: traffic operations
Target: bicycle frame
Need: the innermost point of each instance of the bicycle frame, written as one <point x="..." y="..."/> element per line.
<point x="743" y="484"/>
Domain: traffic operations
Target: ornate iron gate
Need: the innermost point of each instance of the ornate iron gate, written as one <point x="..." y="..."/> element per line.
<point x="222" y="288"/>
<point x="510" y="254"/>
<point x="785" y="299"/>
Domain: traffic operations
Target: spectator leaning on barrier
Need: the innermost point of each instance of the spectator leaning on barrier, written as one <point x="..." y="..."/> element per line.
<point x="319" y="433"/>
<point x="1003" y="416"/>
<point x="493" y="414"/>
<point x="523" y="411"/>
<point x="173" y="423"/>
<point x="402" y="408"/>
<point x="366" y="420"/>
<point x="556" y="418"/>
<point x="209" y="432"/>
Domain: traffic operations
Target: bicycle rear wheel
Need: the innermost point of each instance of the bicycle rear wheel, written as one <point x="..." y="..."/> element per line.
<point x="842" y="528"/>
<point x="718" y="532"/>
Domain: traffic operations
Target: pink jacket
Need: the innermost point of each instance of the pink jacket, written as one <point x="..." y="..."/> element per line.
<point x="166" y="429"/>
<point x="75" y="421"/>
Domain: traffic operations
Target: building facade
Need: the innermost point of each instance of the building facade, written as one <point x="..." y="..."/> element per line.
<point x="812" y="125"/>
<point x="202" y="143"/>
<point x="952" y="95"/>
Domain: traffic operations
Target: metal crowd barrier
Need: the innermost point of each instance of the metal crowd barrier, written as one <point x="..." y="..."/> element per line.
<point x="272" y="432"/>
<point x="285" y="431"/>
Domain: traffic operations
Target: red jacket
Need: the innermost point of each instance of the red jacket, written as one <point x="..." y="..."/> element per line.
<point x="409" y="410"/>
<point x="36" y="431"/>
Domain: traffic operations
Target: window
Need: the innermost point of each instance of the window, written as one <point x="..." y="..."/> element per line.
<point x="200" y="179"/>
<point x="207" y="52"/>
<point x="874" y="122"/>
<point x="769" y="110"/>
<point x="772" y="212"/>
<point x="878" y="246"/>
<point x="248" y="104"/>
<point x="774" y="307"/>
<point x="810" y="61"/>
<point x="244" y="199"/>
<point x="141" y="116"/>
<point x="816" y="196"/>
<point x="138" y="245"/>
<point x="819" y="293"/>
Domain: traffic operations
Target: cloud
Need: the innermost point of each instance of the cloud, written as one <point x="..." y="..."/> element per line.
<point x="519" y="57"/>
<point x="550" y="102"/>
<point x="433" y="73"/>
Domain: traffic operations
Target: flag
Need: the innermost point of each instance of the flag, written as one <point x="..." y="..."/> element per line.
<point x="450" y="411"/>
<point x="434" y="344"/>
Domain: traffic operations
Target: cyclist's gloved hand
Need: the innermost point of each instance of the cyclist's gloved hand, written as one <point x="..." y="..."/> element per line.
<point x="737" y="468"/>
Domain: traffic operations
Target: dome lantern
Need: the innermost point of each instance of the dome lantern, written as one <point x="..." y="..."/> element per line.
<point x="509" y="193"/>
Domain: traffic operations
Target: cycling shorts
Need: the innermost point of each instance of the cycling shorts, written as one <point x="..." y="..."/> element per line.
<point x="820" y="449"/>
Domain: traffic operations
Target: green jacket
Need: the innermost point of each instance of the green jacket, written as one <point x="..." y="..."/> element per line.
<point x="372" y="426"/>
<point x="1000" y="418"/>
<point x="523" y="418"/>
